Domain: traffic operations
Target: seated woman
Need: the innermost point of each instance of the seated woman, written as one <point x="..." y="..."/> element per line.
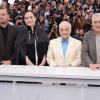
<point x="31" y="43"/>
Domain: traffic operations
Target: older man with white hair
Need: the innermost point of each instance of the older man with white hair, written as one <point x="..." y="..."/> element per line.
<point x="64" y="51"/>
<point x="91" y="45"/>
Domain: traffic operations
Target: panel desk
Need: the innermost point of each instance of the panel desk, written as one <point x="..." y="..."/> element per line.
<point x="44" y="83"/>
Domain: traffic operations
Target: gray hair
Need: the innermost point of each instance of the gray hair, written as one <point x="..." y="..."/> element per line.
<point x="95" y="15"/>
<point x="65" y="23"/>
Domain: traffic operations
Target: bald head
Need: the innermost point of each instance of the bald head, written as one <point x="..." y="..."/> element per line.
<point x="64" y="29"/>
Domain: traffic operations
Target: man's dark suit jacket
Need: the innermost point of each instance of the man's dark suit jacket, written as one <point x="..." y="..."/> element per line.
<point x="7" y="50"/>
<point x="89" y="55"/>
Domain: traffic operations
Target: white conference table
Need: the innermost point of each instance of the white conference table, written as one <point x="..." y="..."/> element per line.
<point x="19" y="83"/>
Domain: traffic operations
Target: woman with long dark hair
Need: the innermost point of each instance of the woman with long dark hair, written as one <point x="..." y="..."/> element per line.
<point x="31" y="44"/>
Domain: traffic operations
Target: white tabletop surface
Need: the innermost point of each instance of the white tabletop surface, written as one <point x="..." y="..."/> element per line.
<point x="48" y="71"/>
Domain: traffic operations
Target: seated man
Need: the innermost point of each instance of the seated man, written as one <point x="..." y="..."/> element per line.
<point x="91" y="45"/>
<point x="8" y="34"/>
<point x="64" y="51"/>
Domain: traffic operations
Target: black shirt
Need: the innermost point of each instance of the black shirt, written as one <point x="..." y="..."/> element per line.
<point x="4" y="32"/>
<point x="32" y="49"/>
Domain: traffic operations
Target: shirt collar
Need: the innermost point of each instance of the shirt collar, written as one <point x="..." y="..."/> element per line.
<point x="63" y="40"/>
<point x="4" y="27"/>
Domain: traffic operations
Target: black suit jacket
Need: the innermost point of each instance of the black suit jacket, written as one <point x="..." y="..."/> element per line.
<point x="7" y="50"/>
<point x="21" y="48"/>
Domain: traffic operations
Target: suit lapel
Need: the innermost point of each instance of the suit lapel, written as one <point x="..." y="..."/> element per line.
<point x="93" y="42"/>
<point x="9" y="37"/>
<point x="2" y="44"/>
